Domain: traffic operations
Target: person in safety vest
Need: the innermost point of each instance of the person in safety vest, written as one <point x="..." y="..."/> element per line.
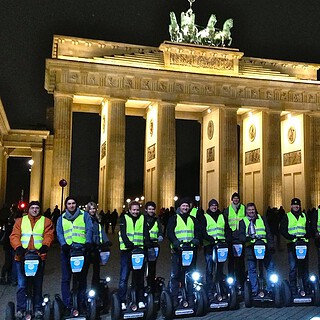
<point x="295" y="224"/>
<point x="253" y="227"/>
<point x="74" y="226"/>
<point x="234" y="213"/>
<point x="133" y="233"/>
<point x="182" y="228"/>
<point x="156" y="236"/>
<point x="315" y="230"/>
<point x="100" y="242"/>
<point x="31" y="232"/>
<point x="215" y="228"/>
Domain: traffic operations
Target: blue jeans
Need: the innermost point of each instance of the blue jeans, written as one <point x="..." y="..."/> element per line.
<point x="137" y="277"/>
<point x="252" y="271"/>
<point x="80" y="280"/>
<point x="23" y="282"/>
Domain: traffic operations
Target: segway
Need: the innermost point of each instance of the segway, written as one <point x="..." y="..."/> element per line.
<point x="263" y="297"/>
<point x="184" y="309"/>
<point x="30" y="265"/>
<point x="306" y="293"/>
<point x="225" y="295"/>
<point x="237" y="248"/>
<point x="77" y="259"/>
<point x="103" y="294"/>
<point x="132" y="310"/>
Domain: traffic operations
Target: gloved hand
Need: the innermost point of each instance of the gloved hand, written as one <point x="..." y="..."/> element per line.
<point x="130" y="245"/>
<point x="109" y="243"/>
<point x="88" y="246"/>
<point x="43" y="249"/>
<point x="177" y="244"/>
<point x="20" y="251"/>
<point x="195" y="242"/>
<point x="65" y="247"/>
<point x="160" y="238"/>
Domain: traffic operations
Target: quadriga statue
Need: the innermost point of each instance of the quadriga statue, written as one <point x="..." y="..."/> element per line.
<point x="174" y="29"/>
<point x="206" y="36"/>
<point x="224" y="35"/>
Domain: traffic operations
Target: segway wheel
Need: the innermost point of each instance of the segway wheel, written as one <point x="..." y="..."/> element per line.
<point x="10" y="311"/>
<point x="56" y="310"/>
<point x="233" y="302"/>
<point x="200" y="308"/>
<point x="166" y="305"/>
<point x="115" y="307"/>
<point x="150" y="307"/>
<point x="316" y="294"/>
<point x="92" y="309"/>
<point x="286" y="294"/>
<point x="247" y="294"/>
<point x="106" y="300"/>
<point x="277" y="296"/>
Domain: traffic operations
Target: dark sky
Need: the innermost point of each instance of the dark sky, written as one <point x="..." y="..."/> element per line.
<point x="277" y="29"/>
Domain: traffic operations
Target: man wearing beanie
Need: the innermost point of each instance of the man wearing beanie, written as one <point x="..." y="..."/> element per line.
<point x="74" y="226"/>
<point x="234" y="213"/>
<point x="31" y="232"/>
<point x="215" y="228"/>
<point x="182" y="228"/>
<point x="295" y="224"/>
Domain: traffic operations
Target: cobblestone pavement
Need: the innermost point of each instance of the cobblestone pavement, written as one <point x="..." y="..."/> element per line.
<point x="53" y="276"/>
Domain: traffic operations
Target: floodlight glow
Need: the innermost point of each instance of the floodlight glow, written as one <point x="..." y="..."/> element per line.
<point x="274" y="278"/>
<point x="91" y="293"/>
<point x="313" y="278"/>
<point x="230" y="280"/>
<point x="195" y="276"/>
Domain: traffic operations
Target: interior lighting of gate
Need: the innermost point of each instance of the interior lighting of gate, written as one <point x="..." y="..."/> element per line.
<point x="209" y="110"/>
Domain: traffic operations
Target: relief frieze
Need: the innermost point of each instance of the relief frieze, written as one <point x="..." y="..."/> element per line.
<point x="292" y="158"/>
<point x="252" y="156"/>
<point x="210" y="154"/>
<point x="151" y="152"/>
<point x="103" y="150"/>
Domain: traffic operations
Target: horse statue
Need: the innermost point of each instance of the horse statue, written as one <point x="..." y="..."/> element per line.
<point x="188" y="28"/>
<point x="206" y="35"/>
<point x="174" y="29"/>
<point x="221" y="36"/>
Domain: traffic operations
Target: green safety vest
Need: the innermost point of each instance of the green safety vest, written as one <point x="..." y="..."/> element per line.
<point x="154" y="232"/>
<point x="234" y="218"/>
<point x="318" y="222"/>
<point x="134" y="232"/>
<point x="100" y="233"/>
<point x="36" y="232"/>
<point x="184" y="232"/>
<point x="215" y="229"/>
<point x="259" y="226"/>
<point x="193" y="212"/>
<point x="297" y="227"/>
<point x="74" y="231"/>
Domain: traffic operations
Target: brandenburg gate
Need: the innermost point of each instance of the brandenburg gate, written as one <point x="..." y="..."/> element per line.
<point x="260" y="118"/>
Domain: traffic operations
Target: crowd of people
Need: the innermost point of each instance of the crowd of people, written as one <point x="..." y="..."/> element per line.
<point x="186" y="224"/>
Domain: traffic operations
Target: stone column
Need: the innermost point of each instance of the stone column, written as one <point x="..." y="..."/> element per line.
<point x="61" y="146"/>
<point x="228" y="155"/>
<point x="272" y="159"/>
<point x="314" y="172"/>
<point x="3" y="174"/>
<point x="116" y="126"/>
<point x="36" y="173"/>
<point x="166" y="154"/>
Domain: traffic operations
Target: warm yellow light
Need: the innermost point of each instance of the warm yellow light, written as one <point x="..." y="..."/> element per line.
<point x="175" y="198"/>
<point x="250" y="114"/>
<point x="142" y="198"/>
<point x="128" y="200"/>
<point x="209" y="110"/>
<point x="31" y="162"/>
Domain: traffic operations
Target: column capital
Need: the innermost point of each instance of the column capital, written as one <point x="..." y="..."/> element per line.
<point x="167" y="103"/>
<point x="36" y="149"/>
<point x="58" y="94"/>
<point x="119" y="100"/>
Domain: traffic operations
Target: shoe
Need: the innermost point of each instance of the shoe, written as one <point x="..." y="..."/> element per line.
<point x="141" y="305"/>
<point x="38" y="314"/>
<point x="123" y="306"/>
<point x="19" y="315"/>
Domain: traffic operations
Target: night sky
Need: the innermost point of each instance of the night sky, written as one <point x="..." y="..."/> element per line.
<point x="275" y="29"/>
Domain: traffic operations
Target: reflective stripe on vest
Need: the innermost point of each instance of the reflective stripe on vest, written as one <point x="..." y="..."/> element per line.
<point x="100" y="233"/>
<point x="36" y="232"/>
<point x="234" y="218"/>
<point x="260" y="228"/>
<point x="154" y="232"/>
<point x="184" y="232"/>
<point x="215" y="229"/>
<point x="318" y="222"/>
<point x="74" y="231"/>
<point x="296" y="226"/>
<point x="134" y="232"/>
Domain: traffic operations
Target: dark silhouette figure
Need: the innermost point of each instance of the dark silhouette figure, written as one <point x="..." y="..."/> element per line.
<point x="114" y="219"/>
